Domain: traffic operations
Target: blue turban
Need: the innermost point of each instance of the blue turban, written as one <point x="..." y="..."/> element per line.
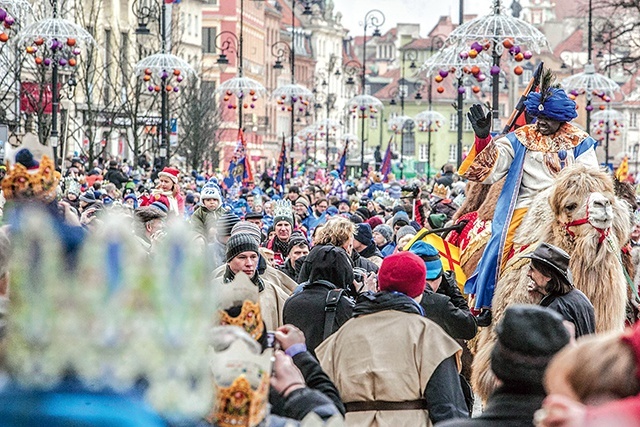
<point x="556" y="105"/>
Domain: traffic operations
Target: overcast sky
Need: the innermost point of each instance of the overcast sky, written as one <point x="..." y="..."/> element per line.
<point x="423" y="12"/>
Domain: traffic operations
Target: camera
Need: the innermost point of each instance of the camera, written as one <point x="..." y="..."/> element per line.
<point x="359" y="274"/>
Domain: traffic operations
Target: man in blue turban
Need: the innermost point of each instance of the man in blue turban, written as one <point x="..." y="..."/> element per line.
<point x="530" y="157"/>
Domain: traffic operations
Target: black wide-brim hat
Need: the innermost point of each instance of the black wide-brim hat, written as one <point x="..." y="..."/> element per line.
<point x="554" y="257"/>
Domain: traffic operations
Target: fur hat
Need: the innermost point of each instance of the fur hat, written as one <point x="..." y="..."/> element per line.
<point x="239" y="243"/>
<point x="527" y="338"/>
<point x="171" y="173"/>
<point x="431" y="258"/>
<point x="402" y="272"/>
<point x="385" y="231"/>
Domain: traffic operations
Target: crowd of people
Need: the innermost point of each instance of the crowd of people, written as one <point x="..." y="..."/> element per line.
<point x="333" y="277"/>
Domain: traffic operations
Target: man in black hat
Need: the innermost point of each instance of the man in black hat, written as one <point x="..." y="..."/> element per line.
<point x="114" y="175"/>
<point x="550" y="277"/>
<point x="298" y="248"/>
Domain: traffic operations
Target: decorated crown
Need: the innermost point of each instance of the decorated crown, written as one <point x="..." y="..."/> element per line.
<point x="241" y="376"/>
<point x="282" y="209"/>
<point x="23" y="184"/>
<point x="240" y="292"/>
<point x="439" y="190"/>
<point x="71" y="186"/>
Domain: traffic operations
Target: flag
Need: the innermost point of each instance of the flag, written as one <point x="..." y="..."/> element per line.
<point x="281" y="170"/>
<point x="449" y="254"/>
<point x="385" y="169"/>
<point x="342" y="165"/>
<point x="239" y="167"/>
<point x="623" y="170"/>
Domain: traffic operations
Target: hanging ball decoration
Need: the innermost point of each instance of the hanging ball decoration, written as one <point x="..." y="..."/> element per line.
<point x="62" y="62"/>
<point x="157" y="88"/>
<point x="30" y="49"/>
<point x="461" y="89"/>
<point x="495" y="70"/>
<point x="464" y="55"/>
<point x="38" y="61"/>
<point x="164" y="75"/>
<point x="440" y="89"/>
<point x="473" y="53"/>
<point x="53" y="45"/>
<point x="71" y="42"/>
<point x="438" y="78"/>
<point x="179" y="79"/>
<point x="229" y="106"/>
<point x="252" y="105"/>
<point x="589" y="108"/>
<point x="150" y="88"/>
<point x="574" y="92"/>
<point x="443" y="73"/>
<point x="508" y="43"/>
<point x="76" y="51"/>
<point x="527" y="55"/>
<point x="475" y="89"/>
<point x="572" y="97"/>
<point x="254" y="98"/>
<point x="518" y="70"/>
<point x="602" y="107"/>
<point x="176" y="72"/>
<point x="4" y="37"/>
<point x="514" y="50"/>
<point x="229" y="93"/>
<point x="72" y="62"/>
<point x="481" y="77"/>
<point x="477" y="47"/>
<point x="289" y="109"/>
<point x="9" y="21"/>
<point x="169" y="88"/>
<point x="3" y="15"/>
<point x="148" y="72"/>
<point x="176" y="89"/>
<point x="475" y="70"/>
<point x="252" y="92"/>
<point x="47" y="61"/>
<point x="240" y="95"/>
<point x="39" y="41"/>
<point x="146" y="78"/>
<point x="519" y="57"/>
<point x="245" y="106"/>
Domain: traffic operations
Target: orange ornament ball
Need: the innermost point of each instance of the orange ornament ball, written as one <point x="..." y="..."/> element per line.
<point x="475" y="89"/>
<point x="473" y="53"/>
<point x="169" y="88"/>
<point x="146" y="78"/>
<point x="252" y="92"/>
<point x="39" y="41"/>
<point x="246" y="105"/>
<point x="438" y="78"/>
<point x="4" y="37"/>
<point x="602" y="107"/>
<point x="157" y="88"/>
<point x="30" y="49"/>
<point x="475" y="70"/>
<point x="440" y="89"/>
<point x="39" y="61"/>
<point x="518" y="70"/>
<point x="148" y="71"/>
<point x="572" y="97"/>
<point x="519" y="57"/>
<point x="176" y="72"/>
<point x="72" y="62"/>
<point x="508" y="43"/>
<point x="71" y="42"/>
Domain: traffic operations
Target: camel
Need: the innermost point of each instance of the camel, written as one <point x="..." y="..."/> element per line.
<point x="579" y="193"/>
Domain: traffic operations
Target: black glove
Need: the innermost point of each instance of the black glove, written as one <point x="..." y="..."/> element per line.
<point x="481" y="124"/>
<point x="484" y="318"/>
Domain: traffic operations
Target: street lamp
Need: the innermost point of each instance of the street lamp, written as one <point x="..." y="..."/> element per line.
<point x="164" y="67"/>
<point x="56" y="43"/>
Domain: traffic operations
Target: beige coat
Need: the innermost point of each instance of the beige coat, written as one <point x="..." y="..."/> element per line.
<point x="385" y="356"/>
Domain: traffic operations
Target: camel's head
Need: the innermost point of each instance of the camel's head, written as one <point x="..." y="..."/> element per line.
<point x="583" y="196"/>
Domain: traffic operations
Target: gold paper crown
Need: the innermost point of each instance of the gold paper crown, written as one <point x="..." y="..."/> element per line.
<point x="282" y="209"/>
<point x="241" y="379"/>
<point x="240" y="292"/>
<point x="23" y="184"/>
<point x="439" y="190"/>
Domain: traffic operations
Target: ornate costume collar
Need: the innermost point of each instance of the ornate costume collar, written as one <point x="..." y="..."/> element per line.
<point x="566" y="138"/>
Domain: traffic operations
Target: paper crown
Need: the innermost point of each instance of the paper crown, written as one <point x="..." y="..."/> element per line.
<point x="439" y="190"/>
<point x="241" y="376"/>
<point x="71" y="186"/>
<point x="282" y="210"/>
<point x="240" y="292"/>
<point x="21" y="183"/>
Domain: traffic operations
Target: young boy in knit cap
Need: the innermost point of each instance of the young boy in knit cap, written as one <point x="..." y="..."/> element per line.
<point x="405" y="370"/>
<point x="208" y="213"/>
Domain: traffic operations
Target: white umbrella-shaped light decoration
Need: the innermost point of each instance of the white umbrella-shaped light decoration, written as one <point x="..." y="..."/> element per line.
<point x="329" y="125"/>
<point x="449" y="61"/>
<point x="608" y="114"/>
<point x="243" y="89"/>
<point x="12" y="12"/>
<point x="364" y="106"/>
<point x="607" y="122"/>
<point x="429" y="121"/>
<point x="293" y="96"/>
<point x="55" y="40"/>
<point x="397" y="123"/>
<point x="167" y="67"/>
<point x="590" y="83"/>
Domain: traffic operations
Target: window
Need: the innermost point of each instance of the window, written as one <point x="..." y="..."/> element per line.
<point x="189" y="24"/>
<point x="453" y="153"/>
<point x="633" y="119"/>
<point x="209" y="39"/>
<point x="106" y="93"/>
<point x="453" y="122"/>
<point x="467" y="124"/>
<point x="422" y="154"/>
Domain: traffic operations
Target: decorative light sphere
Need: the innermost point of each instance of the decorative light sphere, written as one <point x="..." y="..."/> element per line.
<point x="176" y="72"/>
<point x="438" y="78"/>
<point x="169" y="88"/>
<point x="508" y="44"/>
<point x="477" y="47"/>
<point x="254" y="98"/>
<point x="3" y="15"/>
<point x="179" y="79"/>
<point x="53" y="45"/>
<point x="30" y="49"/>
<point x="38" y="61"/>
<point x="72" y="62"/>
<point x="519" y="57"/>
<point x="252" y="106"/>
<point x="464" y="55"/>
<point x="146" y="78"/>
<point x="47" y="61"/>
<point x="589" y="108"/>
<point x="252" y="92"/>
<point x="9" y="21"/>
<point x="527" y="55"/>
<point x="475" y="89"/>
<point x="229" y="106"/>
<point x="473" y="53"/>
<point x="461" y="89"/>
<point x="518" y="70"/>
<point x="475" y="70"/>
<point x="62" y="62"/>
<point x="440" y="89"/>
<point x="481" y="77"/>
<point x="76" y="51"/>
<point x="443" y="73"/>
<point x="71" y="42"/>
<point x="39" y="41"/>
<point x="150" y="88"/>
<point x="495" y="70"/>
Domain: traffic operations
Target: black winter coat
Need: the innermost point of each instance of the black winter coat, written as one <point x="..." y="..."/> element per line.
<point x="575" y="307"/>
<point x="305" y="310"/>
<point x="115" y="177"/>
<point x="449" y="309"/>
<point x="504" y="409"/>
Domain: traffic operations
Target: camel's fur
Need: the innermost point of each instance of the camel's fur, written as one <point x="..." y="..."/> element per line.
<point x="596" y="269"/>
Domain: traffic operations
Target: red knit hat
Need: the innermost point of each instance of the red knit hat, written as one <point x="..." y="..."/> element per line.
<point x="171" y="173"/>
<point x="402" y="272"/>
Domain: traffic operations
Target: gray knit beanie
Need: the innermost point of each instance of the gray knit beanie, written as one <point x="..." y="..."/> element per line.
<point x="385" y="230"/>
<point x="239" y="243"/>
<point x="248" y="228"/>
<point x="403" y="231"/>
